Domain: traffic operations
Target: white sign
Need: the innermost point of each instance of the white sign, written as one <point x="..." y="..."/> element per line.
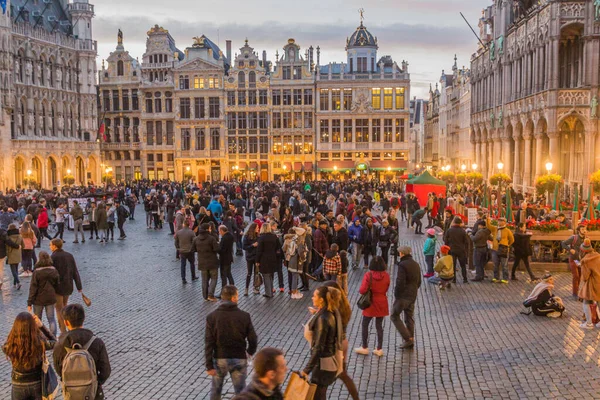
<point x="471" y="217"/>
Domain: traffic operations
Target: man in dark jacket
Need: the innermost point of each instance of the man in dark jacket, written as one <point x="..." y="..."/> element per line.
<point x="456" y="237"/>
<point x="184" y="243"/>
<point x="270" y="370"/>
<point x="122" y="215"/>
<point x="207" y="248"/>
<point x="67" y="270"/>
<point x="74" y="316"/>
<point x="229" y="336"/>
<point x="408" y="283"/>
<point x="226" y="256"/>
<point x="340" y="236"/>
<point x="480" y="249"/>
<point x="4" y="241"/>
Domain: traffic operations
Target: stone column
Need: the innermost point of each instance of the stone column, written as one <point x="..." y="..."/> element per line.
<point x="483" y="159"/>
<point x="517" y="161"/>
<point x="527" y="162"/>
<point x="496" y="154"/>
<point x="538" y="168"/>
<point x="506" y="156"/>
<point x="553" y="151"/>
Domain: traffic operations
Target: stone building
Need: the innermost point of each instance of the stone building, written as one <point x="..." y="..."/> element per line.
<point x="418" y="114"/>
<point x="119" y="109"/>
<point x="247" y="115"/>
<point x="200" y="146"/>
<point x="292" y="114"/>
<point x="535" y="91"/>
<point x="448" y="121"/>
<point x="48" y="113"/>
<point x="362" y="113"/>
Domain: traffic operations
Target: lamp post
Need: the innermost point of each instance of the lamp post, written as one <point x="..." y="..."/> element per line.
<point x="548" y="169"/>
<point x="474" y="167"/>
<point x="463" y="167"/>
<point x="29" y="178"/>
<point x="500" y="166"/>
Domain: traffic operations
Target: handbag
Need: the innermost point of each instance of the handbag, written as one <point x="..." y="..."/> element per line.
<point x="86" y="300"/>
<point x="49" y="381"/>
<point x="299" y="388"/>
<point x="502" y="251"/>
<point x="258" y="278"/>
<point x="365" y="300"/>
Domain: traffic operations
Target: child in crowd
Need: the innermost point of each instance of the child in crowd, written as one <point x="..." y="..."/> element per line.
<point x="342" y="278"/>
<point x="332" y="263"/>
<point x="445" y="268"/>
<point x="429" y="252"/>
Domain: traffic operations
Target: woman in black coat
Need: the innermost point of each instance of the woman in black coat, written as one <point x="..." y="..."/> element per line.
<point x="522" y="250"/>
<point x="250" y="244"/>
<point x="268" y="259"/>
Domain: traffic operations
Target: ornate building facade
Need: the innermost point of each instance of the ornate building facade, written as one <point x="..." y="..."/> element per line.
<point x="535" y="91"/>
<point x="247" y="114"/>
<point x="362" y="112"/>
<point x="448" y="122"/>
<point x="48" y="111"/>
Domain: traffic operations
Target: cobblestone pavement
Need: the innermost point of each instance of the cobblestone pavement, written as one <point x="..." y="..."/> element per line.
<point x="472" y="343"/>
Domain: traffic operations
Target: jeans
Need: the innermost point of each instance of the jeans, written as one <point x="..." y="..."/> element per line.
<point x="121" y="230"/>
<point x="236" y="368"/>
<point x="268" y="282"/>
<point x="365" y="331"/>
<point x="357" y="249"/>
<point x="462" y="260"/>
<point x="27" y="259"/>
<point x="14" y="269"/>
<point x="251" y="273"/>
<point x="27" y="391"/>
<point x="111" y="230"/>
<point x="37" y="310"/>
<point x="93" y="229"/>
<point x="61" y="229"/>
<point x="148" y="219"/>
<point x="172" y="228"/>
<point x="419" y="227"/>
<point x="44" y="233"/>
<point x="61" y="302"/>
<point x="78" y="226"/>
<point x="497" y="261"/>
<point x="209" y="282"/>
<point x="184" y="257"/>
<point x="280" y="277"/>
<point x="429" y="262"/>
<point x="384" y="253"/>
<point x="525" y="260"/>
<point x="226" y="276"/>
<point x="480" y="259"/>
<point x="408" y="308"/>
<point x="131" y="211"/>
<point x="292" y="280"/>
<point x="330" y="277"/>
<point x="368" y="250"/>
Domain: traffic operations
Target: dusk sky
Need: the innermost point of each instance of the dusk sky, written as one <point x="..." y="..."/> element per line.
<point x="426" y="33"/>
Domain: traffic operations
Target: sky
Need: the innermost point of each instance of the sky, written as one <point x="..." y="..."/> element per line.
<point x="425" y="33"/>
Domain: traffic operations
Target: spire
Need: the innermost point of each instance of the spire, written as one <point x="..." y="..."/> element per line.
<point x="454" y="67"/>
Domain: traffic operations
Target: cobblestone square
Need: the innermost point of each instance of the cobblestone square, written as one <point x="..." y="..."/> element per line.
<point x="472" y="343"/>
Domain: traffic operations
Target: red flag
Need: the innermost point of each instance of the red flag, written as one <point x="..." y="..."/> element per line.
<point x="101" y="132"/>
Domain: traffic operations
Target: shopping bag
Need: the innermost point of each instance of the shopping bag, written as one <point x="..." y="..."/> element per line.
<point x="299" y="388"/>
<point x="49" y="381"/>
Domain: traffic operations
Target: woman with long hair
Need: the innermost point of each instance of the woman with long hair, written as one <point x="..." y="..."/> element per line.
<point x="250" y="243"/>
<point x="327" y="336"/>
<point x="42" y="292"/>
<point x="267" y="258"/>
<point x="379" y="281"/>
<point x="24" y="348"/>
<point x="345" y="314"/>
<point x="29" y="242"/>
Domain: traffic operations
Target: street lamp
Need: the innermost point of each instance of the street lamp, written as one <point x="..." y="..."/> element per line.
<point x="389" y="169"/>
<point x="500" y="165"/>
<point x="418" y="166"/>
<point x="334" y="168"/>
<point x="187" y="168"/>
<point x="463" y="167"/>
<point x="448" y="167"/>
<point x="474" y="167"/>
<point x="548" y="167"/>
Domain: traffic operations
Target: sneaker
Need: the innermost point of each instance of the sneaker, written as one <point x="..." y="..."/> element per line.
<point x="503" y="281"/>
<point x="281" y="290"/>
<point x="361" y="350"/>
<point x="378" y="352"/>
<point x="557" y="314"/>
<point x="24" y="275"/>
<point x="585" y="325"/>
<point x="256" y="291"/>
<point x="213" y="299"/>
<point x="293" y="296"/>
<point x="494" y="280"/>
<point x="428" y="275"/>
<point x="299" y="296"/>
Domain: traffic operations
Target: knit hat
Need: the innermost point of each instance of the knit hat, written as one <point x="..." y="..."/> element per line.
<point x="586" y="247"/>
<point x="445" y="249"/>
<point x="430" y="231"/>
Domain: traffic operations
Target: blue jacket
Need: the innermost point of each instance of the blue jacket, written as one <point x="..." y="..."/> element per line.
<point x="354" y="232"/>
<point x="429" y="247"/>
<point x="215" y="208"/>
<point x="7" y="218"/>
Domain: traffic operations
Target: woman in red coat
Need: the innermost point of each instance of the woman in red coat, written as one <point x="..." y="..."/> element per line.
<point x="380" y="282"/>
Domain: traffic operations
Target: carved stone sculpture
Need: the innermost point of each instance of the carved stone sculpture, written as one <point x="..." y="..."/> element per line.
<point x="594" y="105"/>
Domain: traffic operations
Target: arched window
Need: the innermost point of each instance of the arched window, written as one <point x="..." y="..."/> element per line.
<point x="215" y="140"/>
<point x="52" y="121"/>
<point x="120" y="68"/>
<point x="241" y="79"/>
<point x="200" y="139"/>
<point x="252" y="79"/>
<point x="43" y="120"/>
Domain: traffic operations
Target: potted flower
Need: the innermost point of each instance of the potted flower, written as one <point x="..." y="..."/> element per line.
<point x="475" y="177"/>
<point x="461" y="177"/>
<point x="547" y="183"/>
<point x="595" y="180"/>
<point x="68" y="179"/>
<point x="446" y="176"/>
<point x="500" y="178"/>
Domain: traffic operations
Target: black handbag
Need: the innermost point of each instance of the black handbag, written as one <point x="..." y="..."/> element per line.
<point x="365" y="300"/>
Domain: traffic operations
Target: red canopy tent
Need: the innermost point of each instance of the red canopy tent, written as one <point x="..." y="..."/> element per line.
<point x="424" y="184"/>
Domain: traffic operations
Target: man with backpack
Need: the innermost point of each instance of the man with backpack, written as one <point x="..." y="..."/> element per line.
<point x="80" y="358"/>
<point x="122" y="215"/>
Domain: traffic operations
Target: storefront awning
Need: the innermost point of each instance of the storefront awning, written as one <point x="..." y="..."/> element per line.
<point x="308" y="166"/>
<point x="297" y="167"/>
<point x="382" y="165"/>
<point x="335" y="165"/>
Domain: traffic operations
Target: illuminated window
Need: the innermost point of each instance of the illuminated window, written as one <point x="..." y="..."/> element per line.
<point x="336" y="101"/>
<point x="362" y="130"/>
<point x="399" y="98"/>
<point x="347" y="130"/>
<point x="324" y="100"/>
<point x="387" y="130"/>
<point x="387" y="98"/>
<point x="324" y="130"/>
<point x="376" y="130"/>
<point x="335" y="131"/>
<point x="347" y="99"/>
<point x="400" y="137"/>
<point x="211" y="83"/>
<point x="376" y="99"/>
<point x="196" y="82"/>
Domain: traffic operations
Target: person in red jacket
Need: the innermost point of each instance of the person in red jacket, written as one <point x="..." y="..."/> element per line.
<point x="42" y="223"/>
<point x="379" y="281"/>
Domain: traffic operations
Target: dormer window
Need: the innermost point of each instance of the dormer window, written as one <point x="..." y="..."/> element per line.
<point x="241" y="64"/>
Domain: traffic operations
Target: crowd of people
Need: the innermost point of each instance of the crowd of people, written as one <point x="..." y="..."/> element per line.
<point x="315" y="231"/>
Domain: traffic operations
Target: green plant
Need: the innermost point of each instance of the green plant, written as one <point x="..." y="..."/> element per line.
<point x="595" y="181"/>
<point x="499" y="178"/>
<point x="546" y="183"/>
<point x="475" y="177"/>
<point x="446" y="176"/>
<point x="68" y="179"/>
<point x="461" y="177"/>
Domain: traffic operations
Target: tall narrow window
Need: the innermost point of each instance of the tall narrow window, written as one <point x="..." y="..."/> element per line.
<point x="200" y="139"/>
<point x="324" y="100"/>
<point x="185" y="139"/>
<point x="336" y="101"/>
<point x="324" y="130"/>
<point x="400" y="136"/>
<point x="362" y="130"/>
<point x="215" y="139"/>
<point x="376" y="130"/>
<point x="336" y="131"/>
<point x="376" y="98"/>
<point x="347" y="99"/>
<point x="213" y="107"/>
<point x="399" y="98"/>
<point x="241" y="79"/>
<point x="387" y="98"/>
<point x="120" y="68"/>
<point x="184" y="107"/>
<point x="347" y="130"/>
<point x="199" y="108"/>
<point x="252" y="79"/>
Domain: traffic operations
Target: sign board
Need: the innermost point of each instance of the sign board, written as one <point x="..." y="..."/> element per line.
<point x="471" y="217"/>
<point x="361" y="167"/>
